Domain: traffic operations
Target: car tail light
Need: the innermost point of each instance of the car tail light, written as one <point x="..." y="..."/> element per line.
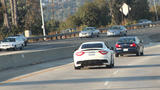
<point x="103" y="52"/>
<point x="118" y="46"/>
<point x="133" y="45"/>
<point x="80" y="53"/>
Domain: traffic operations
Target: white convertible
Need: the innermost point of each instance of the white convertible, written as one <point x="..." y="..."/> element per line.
<point x="93" y="53"/>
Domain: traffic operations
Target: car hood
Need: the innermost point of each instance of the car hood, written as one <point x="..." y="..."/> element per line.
<point x="114" y="30"/>
<point x="85" y="32"/>
<point x="7" y="43"/>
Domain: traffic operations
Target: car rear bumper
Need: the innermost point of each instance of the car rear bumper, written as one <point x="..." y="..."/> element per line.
<point x="129" y="51"/>
<point x="92" y="62"/>
<point x="5" y="48"/>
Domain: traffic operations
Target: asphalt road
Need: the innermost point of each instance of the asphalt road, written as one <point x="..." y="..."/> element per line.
<point x="148" y="35"/>
<point x="130" y="73"/>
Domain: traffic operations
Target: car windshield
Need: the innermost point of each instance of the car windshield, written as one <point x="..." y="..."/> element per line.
<point x="9" y="40"/>
<point x="115" y="28"/>
<point x="97" y="45"/>
<point x="126" y="40"/>
<point x="86" y="29"/>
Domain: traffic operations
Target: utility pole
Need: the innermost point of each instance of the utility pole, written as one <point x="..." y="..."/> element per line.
<point x="43" y="25"/>
<point x="155" y="8"/>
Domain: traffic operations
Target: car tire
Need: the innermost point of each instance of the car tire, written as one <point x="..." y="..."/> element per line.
<point x="138" y="53"/>
<point x="77" y="68"/>
<point x="21" y="47"/>
<point x="142" y="53"/>
<point x="116" y="55"/>
<point x="25" y="44"/>
<point x="111" y="64"/>
<point x="15" y="48"/>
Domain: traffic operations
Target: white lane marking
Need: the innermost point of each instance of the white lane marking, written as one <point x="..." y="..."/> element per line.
<point x="22" y="55"/>
<point x="30" y="51"/>
<point x="115" y="72"/>
<point x="106" y="83"/>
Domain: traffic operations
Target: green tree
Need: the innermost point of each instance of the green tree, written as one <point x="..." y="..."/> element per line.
<point x="89" y="14"/>
<point x="33" y="17"/>
<point x="104" y="15"/>
<point x="1" y="15"/>
<point x="52" y="25"/>
<point x="140" y="9"/>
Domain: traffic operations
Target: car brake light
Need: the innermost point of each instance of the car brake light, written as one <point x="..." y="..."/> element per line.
<point x="80" y="53"/>
<point x="133" y="45"/>
<point x="118" y="46"/>
<point x="103" y="52"/>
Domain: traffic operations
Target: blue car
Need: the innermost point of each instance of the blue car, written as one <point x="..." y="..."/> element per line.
<point x="129" y="45"/>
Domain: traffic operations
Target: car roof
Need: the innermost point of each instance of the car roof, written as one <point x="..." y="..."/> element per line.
<point x="128" y="37"/>
<point x="94" y="42"/>
<point x="12" y="37"/>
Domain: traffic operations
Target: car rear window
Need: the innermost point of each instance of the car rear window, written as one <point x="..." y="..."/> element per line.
<point x="9" y="40"/>
<point x="126" y="40"/>
<point x="99" y="45"/>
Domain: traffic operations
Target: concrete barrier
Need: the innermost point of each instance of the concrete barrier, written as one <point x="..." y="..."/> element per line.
<point x="31" y="58"/>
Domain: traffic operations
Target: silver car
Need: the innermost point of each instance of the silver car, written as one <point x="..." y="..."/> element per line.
<point x="89" y="32"/>
<point x="11" y="43"/>
<point x="117" y="30"/>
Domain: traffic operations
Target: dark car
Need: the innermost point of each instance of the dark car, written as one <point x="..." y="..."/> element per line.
<point x="129" y="45"/>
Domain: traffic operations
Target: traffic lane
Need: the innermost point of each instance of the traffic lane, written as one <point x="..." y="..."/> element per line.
<point x="145" y="34"/>
<point x="141" y="75"/>
<point x="19" y="71"/>
<point x="59" y="44"/>
<point x="130" y="72"/>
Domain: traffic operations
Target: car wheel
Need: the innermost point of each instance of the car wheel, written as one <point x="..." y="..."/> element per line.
<point x="138" y="53"/>
<point x="21" y="47"/>
<point x="25" y="44"/>
<point x="142" y="53"/>
<point x="116" y="55"/>
<point x="15" y="48"/>
<point x="111" y="64"/>
<point x="112" y="61"/>
<point x="77" y="68"/>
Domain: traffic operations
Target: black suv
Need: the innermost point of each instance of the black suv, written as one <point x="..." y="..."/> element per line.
<point x="129" y="45"/>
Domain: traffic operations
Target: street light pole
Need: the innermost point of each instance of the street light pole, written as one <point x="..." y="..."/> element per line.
<point x="43" y="25"/>
<point x="155" y="9"/>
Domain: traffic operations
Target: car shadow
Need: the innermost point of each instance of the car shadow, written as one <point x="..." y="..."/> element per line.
<point x="138" y="66"/>
<point x="132" y="55"/>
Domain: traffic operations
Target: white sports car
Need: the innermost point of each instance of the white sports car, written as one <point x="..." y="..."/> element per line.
<point x="93" y="53"/>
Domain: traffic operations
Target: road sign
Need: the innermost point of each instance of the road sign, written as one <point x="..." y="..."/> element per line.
<point x="125" y="9"/>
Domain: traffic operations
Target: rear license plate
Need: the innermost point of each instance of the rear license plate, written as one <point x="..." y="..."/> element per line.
<point x="91" y="53"/>
<point x="125" y="50"/>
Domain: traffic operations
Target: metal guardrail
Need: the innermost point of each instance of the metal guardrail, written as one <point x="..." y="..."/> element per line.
<point x="76" y="34"/>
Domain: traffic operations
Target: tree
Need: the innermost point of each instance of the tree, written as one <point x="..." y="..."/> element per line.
<point x="104" y="15"/>
<point x="140" y="10"/>
<point x="33" y="17"/>
<point x="13" y="5"/>
<point x="5" y="14"/>
<point x="1" y="15"/>
<point x="52" y="25"/>
<point x="89" y="14"/>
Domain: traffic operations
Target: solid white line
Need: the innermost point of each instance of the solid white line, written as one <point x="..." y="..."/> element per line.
<point x="115" y="72"/>
<point x="106" y="83"/>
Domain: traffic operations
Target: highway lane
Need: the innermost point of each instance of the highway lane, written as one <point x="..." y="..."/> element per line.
<point x="142" y="33"/>
<point x="130" y="73"/>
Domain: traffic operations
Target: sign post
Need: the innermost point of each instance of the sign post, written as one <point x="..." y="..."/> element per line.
<point x="125" y="10"/>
